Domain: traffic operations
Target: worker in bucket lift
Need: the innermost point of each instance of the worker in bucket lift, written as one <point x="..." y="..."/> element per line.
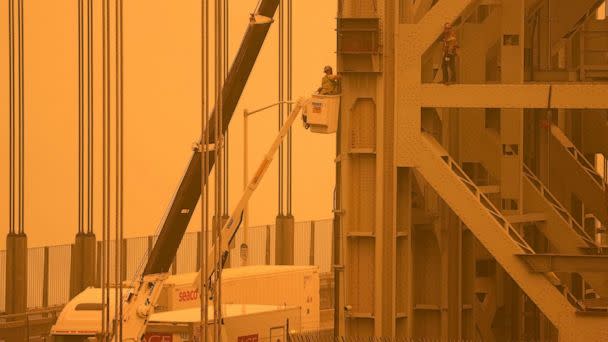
<point x="450" y="50"/>
<point x="330" y="84"/>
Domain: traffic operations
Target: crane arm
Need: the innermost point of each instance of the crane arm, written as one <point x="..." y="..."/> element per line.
<point x="188" y="193"/>
<point x="231" y="227"/>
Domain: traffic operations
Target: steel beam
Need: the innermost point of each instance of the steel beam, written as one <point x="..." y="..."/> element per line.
<point x="575" y="96"/>
<point x="542" y="263"/>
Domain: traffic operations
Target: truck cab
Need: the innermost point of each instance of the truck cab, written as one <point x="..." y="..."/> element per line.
<point x="80" y="319"/>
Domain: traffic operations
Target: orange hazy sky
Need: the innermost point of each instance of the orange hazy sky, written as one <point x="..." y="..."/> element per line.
<point x="162" y="114"/>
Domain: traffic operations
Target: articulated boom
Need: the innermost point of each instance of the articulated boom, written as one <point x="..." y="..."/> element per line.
<point x="232" y="225"/>
<point x="140" y="302"/>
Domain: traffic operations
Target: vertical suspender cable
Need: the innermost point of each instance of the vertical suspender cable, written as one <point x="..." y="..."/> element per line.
<point x="116" y="176"/>
<point x="218" y="166"/>
<point x="11" y="118"/>
<point x="290" y="98"/>
<point x="281" y="98"/>
<point x="90" y="122"/>
<point x="104" y="299"/>
<point x="108" y="143"/>
<point x="106" y="169"/>
<point x="219" y="78"/>
<point x="226" y="43"/>
<point x="203" y="150"/>
<point x="108" y="183"/>
<point x="119" y="161"/>
<point x="80" y="116"/>
<point x="21" y="120"/>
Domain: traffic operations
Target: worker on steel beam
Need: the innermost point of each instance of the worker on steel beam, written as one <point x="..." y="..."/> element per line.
<point x="330" y="84"/>
<point x="450" y="51"/>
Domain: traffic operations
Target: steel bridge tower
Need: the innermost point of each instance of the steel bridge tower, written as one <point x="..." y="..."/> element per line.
<point x="473" y="210"/>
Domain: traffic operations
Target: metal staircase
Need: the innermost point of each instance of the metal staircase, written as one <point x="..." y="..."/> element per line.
<point x="578" y="157"/>
<point x="590" y="186"/>
<point x="566" y="235"/>
<point x="503" y="242"/>
<point x="590" y="45"/>
<point x="571" y="20"/>
<point x="576" y="232"/>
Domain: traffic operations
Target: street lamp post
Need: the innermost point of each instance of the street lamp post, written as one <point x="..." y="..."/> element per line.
<point x="244" y="248"/>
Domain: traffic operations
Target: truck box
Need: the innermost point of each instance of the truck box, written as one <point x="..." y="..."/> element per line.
<point x="241" y="323"/>
<point x="265" y="285"/>
<point x="260" y="284"/>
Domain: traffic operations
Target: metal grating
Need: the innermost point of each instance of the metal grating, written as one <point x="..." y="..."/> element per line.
<point x="186" y="254"/>
<point x="59" y="279"/>
<point x="137" y="251"/>
<point x="301" y="253"/>
<point x="35" y="275"/>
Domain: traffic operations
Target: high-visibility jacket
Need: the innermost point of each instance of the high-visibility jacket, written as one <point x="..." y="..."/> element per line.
<point x="329" y="85"/>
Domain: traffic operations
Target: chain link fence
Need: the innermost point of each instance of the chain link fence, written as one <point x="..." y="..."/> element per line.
<point x="49" y="267"/>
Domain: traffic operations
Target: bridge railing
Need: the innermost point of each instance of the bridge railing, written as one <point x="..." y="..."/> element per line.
<point x="49" y="267"/>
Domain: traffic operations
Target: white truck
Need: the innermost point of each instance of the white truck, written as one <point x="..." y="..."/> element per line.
<point x="80" y="322"/>
<point x="294" y="286"/>
<point x="240" y="323"/>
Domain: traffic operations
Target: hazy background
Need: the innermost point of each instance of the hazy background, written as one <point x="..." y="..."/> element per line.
<point x="162" y="113"/>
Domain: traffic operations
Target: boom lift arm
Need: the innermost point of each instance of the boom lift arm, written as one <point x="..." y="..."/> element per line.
<point x="140" y="303"/>
<point x="233" y="223"/>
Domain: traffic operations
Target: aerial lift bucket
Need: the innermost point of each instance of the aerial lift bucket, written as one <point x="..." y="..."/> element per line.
<point x="322" y="112"/>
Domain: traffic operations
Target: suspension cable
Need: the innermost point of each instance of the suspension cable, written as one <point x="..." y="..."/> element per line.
<point x="119" y="164"/>
<point x="219" y="51"/>
<point x="80" y="117"/>
<point x="290" y="98"/>
<point x="204" y="248"/>
<point x="11" y="71"/>
<point x="90" y="120"/>
<point x="106" y="171"/>
<point x="226" y="14"/>
<point x="281" y="99"/>
<point x="104" y="299"/>
<point x="21" y="43"/>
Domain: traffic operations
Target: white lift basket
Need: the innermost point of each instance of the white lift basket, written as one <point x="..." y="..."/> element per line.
<point x="322" y="112"/>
